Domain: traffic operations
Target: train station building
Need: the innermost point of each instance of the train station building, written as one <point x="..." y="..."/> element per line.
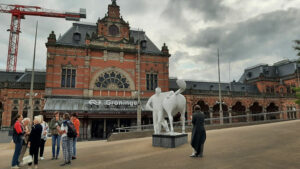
<point x="95" y="70"/>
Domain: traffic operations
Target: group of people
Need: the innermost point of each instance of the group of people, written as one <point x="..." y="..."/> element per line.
<point x="33" y="137"/>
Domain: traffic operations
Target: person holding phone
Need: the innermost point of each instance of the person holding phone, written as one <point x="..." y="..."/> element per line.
<point x="55" y="122"/>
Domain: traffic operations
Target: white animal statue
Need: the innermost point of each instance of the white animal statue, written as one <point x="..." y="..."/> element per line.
<point x="167" y="103"/>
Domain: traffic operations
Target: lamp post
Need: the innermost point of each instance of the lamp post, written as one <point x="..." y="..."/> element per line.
<point x="220" y="96"/>
<point x="142" y="44"/>
<point x="30" y="114"/>
<point x="139" y="107"/>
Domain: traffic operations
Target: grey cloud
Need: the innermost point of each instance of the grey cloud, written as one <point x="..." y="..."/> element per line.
<point x="265" y="35"/>
<point x="208" y="10"/>
<point x="133" y="7"/>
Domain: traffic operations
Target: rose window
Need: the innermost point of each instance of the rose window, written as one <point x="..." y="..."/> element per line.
<point x="112" y="80"/>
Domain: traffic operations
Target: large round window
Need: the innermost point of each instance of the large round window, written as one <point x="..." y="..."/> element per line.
<point x="113" y="30"/>
<point x="112" y="80"/>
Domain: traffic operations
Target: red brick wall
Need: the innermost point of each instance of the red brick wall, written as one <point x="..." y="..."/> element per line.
<point x="8" y="95"/>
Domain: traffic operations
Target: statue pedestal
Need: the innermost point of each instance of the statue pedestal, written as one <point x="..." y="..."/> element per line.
<point x="169" y="140"/>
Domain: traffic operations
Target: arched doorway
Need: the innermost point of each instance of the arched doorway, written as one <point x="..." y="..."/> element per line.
<point x="238" y="110"/>
<point x="36" y="111"/>
<point x="13" y="117"/>
<point x="271" y="109"/>
<point x="25" y="112"/>
<point x="205" y="109"/>
<point x="216" y="113"/>
<point x="256" y="109"/>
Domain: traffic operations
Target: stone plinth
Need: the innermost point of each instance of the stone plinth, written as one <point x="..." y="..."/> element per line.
<point x="169" y="140"/>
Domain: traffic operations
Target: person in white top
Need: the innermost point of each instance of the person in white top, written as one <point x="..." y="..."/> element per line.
<point x="67" y="142"/>
<point x="43" y="136"/>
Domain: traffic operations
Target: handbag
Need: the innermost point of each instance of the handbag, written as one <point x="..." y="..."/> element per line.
<point x="27" y="159"/>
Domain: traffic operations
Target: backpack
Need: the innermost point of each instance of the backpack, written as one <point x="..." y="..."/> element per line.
<point x="72" y="133"/>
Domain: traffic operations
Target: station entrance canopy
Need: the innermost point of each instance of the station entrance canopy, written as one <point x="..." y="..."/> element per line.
<point x="93" y="105"/>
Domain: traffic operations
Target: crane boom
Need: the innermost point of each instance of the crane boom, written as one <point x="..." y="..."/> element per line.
<point x="18" y="12"/>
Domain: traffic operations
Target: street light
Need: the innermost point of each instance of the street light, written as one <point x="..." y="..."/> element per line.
<point x="141" y="44"/>
<point x="30" y="114"/>
<point x="220" y="96"/>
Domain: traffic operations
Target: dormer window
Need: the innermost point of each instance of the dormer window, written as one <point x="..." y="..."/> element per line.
<point x="249" y="74"/>
<point x="113" y="30"/>
<point x="76" y="36"/>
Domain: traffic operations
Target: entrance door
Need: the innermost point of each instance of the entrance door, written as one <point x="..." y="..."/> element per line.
<point x="97" y="129"/>
<point x="111" y="125"/>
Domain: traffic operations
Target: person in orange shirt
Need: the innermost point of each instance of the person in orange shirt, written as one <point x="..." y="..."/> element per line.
<point x="76" y="123"/>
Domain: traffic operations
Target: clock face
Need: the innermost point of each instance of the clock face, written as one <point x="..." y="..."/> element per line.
<point x="113" y="30"/>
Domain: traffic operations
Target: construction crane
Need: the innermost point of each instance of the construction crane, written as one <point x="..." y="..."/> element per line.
<point x="18" y="12"/>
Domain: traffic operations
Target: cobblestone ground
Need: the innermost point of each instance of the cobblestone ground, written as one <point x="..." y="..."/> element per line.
<point x="267" y="146"/>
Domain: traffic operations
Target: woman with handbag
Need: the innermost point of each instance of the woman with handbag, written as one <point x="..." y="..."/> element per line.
<point x="26" y="126"/>
<point x="43" y="137"/>
<point x="35" y="141"/>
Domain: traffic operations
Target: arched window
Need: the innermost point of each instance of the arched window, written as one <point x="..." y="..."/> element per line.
<point x="25" y="112"/>
<point x="112" y="80"/>
<point x="288" y="89"/>
<point x="113" y="30"/>
<point x="36" y="111"/>
<point x="267" y="89"/>
<point x="272" y="89"/>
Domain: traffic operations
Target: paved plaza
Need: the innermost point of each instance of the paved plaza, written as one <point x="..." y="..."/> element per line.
<point x="266" y="146"/>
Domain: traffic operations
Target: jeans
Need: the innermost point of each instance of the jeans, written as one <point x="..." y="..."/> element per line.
<point x="55" y="139"/>
<point x="18" y="147"/>
<point x="74" y="146"/>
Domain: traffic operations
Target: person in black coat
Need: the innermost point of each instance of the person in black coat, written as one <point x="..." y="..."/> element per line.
<point x="198" y="133"/>
<point x="35" y="140"/>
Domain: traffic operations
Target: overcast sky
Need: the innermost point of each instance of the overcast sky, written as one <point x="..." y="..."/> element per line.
<point x="246" y="32"/>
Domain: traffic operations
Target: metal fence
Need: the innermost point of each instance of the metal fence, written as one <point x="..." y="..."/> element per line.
<point x="239" y="119"/>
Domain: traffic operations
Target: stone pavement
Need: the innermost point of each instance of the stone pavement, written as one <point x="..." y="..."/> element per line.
<point x="266" y="146"/>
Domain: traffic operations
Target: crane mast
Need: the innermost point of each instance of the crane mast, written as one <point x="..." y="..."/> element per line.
<point x="18" y="12"/>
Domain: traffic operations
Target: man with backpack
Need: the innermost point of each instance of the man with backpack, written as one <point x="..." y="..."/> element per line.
<point x="76" y="123"/>
<point x="67" y="132"/>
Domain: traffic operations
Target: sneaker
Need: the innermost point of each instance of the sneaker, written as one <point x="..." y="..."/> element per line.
<point x="69" y="163"/>
<point x="15" y="167"/>
<point x="193" y="155"/>
<point x="42" y="158"/>
<point x="73" y="157"/>
<point x="22" y="164"/>
<point x="63" y="164"/>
